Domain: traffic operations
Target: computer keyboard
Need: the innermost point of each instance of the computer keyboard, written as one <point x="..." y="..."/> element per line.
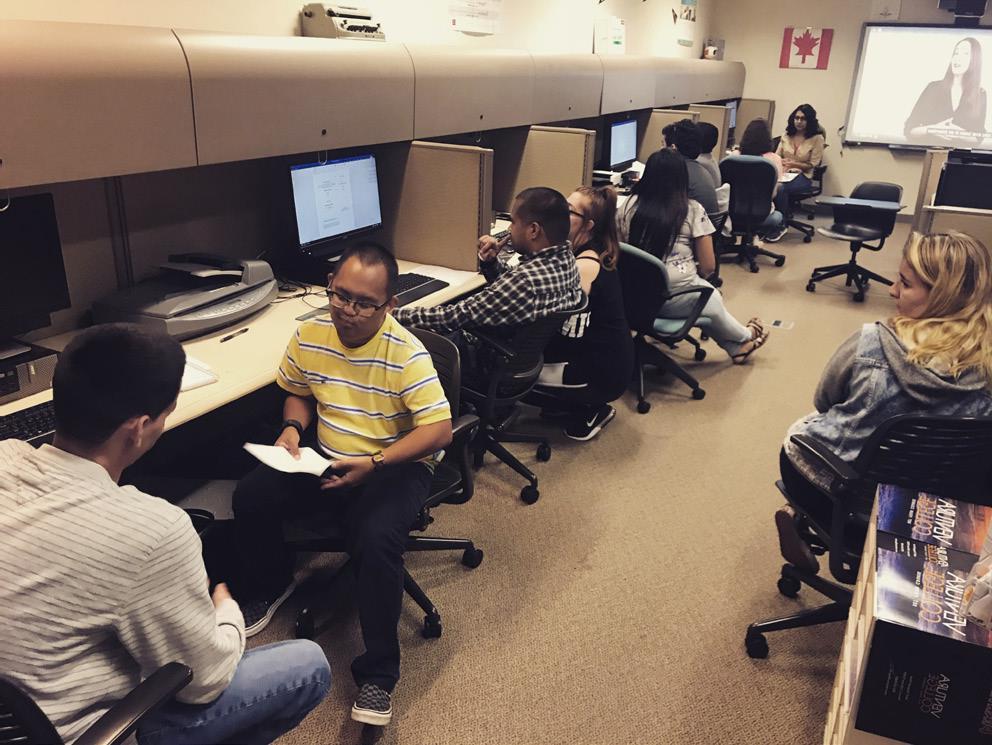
<point x="412" y="286"/>
<point x="33" y="424"/>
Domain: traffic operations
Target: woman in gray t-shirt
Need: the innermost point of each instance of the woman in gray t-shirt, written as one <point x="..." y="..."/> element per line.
<point x="660" y="218"/>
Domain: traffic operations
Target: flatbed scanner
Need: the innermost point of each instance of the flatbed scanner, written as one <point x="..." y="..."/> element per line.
<point x="193" y="295"/>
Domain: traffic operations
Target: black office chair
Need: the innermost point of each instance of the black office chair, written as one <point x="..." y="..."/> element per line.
<point x="23" y="723"/>
<point x="943" y="455"/>
<point x="796" y="200"/>
<point x="645" y="290"/>
<point x="453" y="484"/>
<point x="718" y="220"/>
<point x="510" y="371"/>
<point x="752" y="180"/>
<point x="858" y="225"/>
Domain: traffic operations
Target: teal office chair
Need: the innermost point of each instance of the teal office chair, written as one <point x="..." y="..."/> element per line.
<point x="645" y="290"/>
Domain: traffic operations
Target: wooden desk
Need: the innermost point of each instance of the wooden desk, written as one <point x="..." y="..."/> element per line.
<point x="249" y="361"/>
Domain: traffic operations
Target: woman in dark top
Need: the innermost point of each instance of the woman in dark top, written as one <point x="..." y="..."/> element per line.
<point x="953" y="107"/>
<point x="591" y="362"/>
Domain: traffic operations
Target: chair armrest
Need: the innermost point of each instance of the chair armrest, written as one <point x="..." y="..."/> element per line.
<point x="819" y="452"/>
<point x="463" y="427"/>
<point x="496" y="344"/>
<point x="123" y="718"/>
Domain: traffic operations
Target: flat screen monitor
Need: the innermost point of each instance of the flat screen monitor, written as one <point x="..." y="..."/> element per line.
<point x="732" y="105"/>
<point x="32" y="273"/>
<point x="335" y="200"/>
<point x="966" y="181"/>
<point x="623" y="143"/>
<point x="922" y="86"/>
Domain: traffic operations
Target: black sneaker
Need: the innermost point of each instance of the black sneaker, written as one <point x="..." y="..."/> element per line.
<point x="372" y="706"/>
<point x="585" y="429"/>
<point x="776" y="236"/>
<point x="258" y="613"/>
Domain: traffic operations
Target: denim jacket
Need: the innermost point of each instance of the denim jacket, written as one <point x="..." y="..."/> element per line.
<point x="869" y="380"/>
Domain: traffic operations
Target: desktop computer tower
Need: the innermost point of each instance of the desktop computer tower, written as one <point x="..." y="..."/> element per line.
<point x="26" y="373"/>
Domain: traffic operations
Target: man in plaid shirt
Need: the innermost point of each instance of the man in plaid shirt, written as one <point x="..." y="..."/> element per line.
<point x="545" y="280"/>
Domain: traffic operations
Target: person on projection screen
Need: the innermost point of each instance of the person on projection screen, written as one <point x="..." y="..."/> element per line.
<point x="954" y="107"/>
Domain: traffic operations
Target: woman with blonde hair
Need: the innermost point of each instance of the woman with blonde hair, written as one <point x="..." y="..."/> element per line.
<point x="591" y="362"/>
<point x="934" y="356"/>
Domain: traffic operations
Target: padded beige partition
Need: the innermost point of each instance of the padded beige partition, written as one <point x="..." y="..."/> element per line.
<point x="85" y="101"/>
<point x="650" y="124"/>
<point x="558" y="157"/>
<point x="445" y="204"/>
<point x="628" y="83"/>
<point x="470" y="90"/>
<point x="750" y="109"/>
<point x="682" y="81"/>
<point x="933" y="165"/>
<point x="566" y="87"/>
<point x="258" y="96"/>
<point x="719" y="116"/>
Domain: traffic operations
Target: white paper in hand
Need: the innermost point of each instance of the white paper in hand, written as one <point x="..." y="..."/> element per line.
<point x="279" y="458"/>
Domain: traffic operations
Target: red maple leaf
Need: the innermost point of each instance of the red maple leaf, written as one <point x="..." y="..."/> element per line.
<point x="806" y="45"/>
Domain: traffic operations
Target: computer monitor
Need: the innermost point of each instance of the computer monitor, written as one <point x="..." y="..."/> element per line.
<point x="32" y="273"/>
<point x="966" y="180"/>
<point x="623" y="143"/>
<point x="732" y="105"/>
<point x="334" y="200"/>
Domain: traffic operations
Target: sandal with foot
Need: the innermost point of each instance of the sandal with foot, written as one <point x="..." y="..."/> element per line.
<point x="758" y="338"/>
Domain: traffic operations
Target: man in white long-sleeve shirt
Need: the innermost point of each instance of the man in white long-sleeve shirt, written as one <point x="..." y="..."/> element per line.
<point x="100" y="585"/>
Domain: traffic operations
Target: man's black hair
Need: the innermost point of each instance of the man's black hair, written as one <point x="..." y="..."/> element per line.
<point x="546" y="207"/>
<point x="111" y="373"/>
<point x="709" y="135"/>
<point x="370" y="253"/>
<point x="684" y="136"/>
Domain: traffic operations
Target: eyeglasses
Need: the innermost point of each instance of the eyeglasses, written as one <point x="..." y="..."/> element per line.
<point x="578" y="215"/>
<point x="361" y="308"/>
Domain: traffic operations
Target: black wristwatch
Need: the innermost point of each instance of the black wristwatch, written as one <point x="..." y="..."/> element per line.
<point x="298" y="426"/>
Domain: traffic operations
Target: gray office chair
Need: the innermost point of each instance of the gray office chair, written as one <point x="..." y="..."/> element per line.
<point x="752" y="181"/>
<point x="858" y="225"/>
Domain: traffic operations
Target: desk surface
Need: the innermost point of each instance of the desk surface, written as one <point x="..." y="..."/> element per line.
<point x="874" y="204"/>
<point x="249" y="361"/>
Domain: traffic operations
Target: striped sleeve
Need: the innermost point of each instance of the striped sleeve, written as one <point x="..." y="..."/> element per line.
<point x="291" y="376"/>
<point x="169" y="615"/>
<point x="422" y="393"/>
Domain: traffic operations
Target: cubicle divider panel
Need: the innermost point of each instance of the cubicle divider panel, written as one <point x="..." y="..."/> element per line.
<point x="628" y="83"/>
<point x="718" y="116"/>
<point x="470" y="90"/>
<point x="445" y="204"/>
<point x="566" y="86"/>
<point x="84" y="101"/>
<point x="649" y="127"/>
<point x="260" y="96"/>
<point x="754" y="108"/>
<point x="556" y="157"/>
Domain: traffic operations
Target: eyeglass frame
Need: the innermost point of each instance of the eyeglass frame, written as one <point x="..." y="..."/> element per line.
<point x="361" y="308"/>
<point x="578" y="215"/>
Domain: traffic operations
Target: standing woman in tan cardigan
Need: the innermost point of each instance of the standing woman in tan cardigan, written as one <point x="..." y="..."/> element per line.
<point x="801" y="150"/>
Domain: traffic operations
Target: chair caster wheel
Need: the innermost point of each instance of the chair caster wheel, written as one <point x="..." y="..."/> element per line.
<point x="811" y="286"/>
<point x="789" y="586"/>
<point x="859" y="297"/>
<point x="754" y="268"/>
<point x="432" y="627"/>
<point x="472" y="557"/>
<point x="643" y="407"/>
<point x="810" y="216"/>
<point x="807" y="239"/>
<point x="698" y="393"/>
<point x="544" y="452"/>
<point x="780" y="261"/>
<point x="529" y="494"/>
<point x="700" y="355"/>
<point x="304" y="625"/>
<point x="477" y="459"/>
<point x="756" y="645"/>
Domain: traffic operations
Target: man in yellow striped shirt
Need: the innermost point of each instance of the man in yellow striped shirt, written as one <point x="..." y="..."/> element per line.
<point x="380" y="413"/>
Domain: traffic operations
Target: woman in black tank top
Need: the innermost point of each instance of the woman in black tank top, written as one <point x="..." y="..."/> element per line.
<point x="591" y="362"/>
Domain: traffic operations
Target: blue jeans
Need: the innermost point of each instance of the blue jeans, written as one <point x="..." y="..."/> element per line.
<point x="273" y="689"/>
<point x="798" y="185"/>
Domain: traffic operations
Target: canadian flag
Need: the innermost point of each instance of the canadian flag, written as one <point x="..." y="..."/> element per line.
<point x="807" y="47"/>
